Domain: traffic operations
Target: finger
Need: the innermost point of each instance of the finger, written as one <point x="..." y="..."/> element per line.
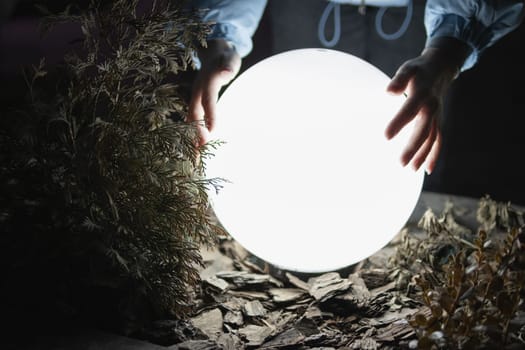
<point x="209" y="104"/>
<point x="202" y="135"/>
<point x="211" y="95"/>
<point x="196" y="115"/>
<point x="429" y="110"/>
<point x="405" y="115"/>
<point x="434" y="153"/>
<point x="421" y="131"/>
<point x="400" y="81"/>
<point x="195" y="110"/>
<point x="423" y="152"/>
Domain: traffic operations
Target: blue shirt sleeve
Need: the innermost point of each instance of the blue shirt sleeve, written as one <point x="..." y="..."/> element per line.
<point x="478" y="23"/>
<point x="233" y="20"/>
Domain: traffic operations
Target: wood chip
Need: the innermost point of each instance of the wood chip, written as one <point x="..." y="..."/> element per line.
<point x="244" y="278"/>
<point x="290" y="337"/>
<point x="359" y="288"/>
<point x="214" y="262"/>
<point x="218" y="283"/>
<point x="229" y="341"/>
<point x="394" y="332"/>
<point x="233" y="304"/>
<point x="286" y="295"/>
<point x="251" y="295"/>
<point x="209" y="322"/>
<point x="196" y="345"/>
<point x="385" y="288"/>
<point x="234" y="318"/>
<point x="395" y="316"/>
<point x="328" y="285"/>
<point x="296" y="281"/>
<point x="279" y="319"/>
<point x="313" y="313"/>
<point x="375" y="278"/>
<point x="365" y="344"/>
<point x="255" y="335"/>
<point x="254" y="309"/>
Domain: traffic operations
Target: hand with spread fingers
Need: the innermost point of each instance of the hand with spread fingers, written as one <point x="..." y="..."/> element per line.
<point x="457" y="34"/>
<point x="220" y="63"/>
<point x="425" y="80"/>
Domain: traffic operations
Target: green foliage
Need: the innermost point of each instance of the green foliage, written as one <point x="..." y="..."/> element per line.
<point x="104" y="201"/>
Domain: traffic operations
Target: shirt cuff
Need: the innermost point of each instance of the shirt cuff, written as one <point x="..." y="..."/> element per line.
<point x="453" y="26"/>
<point x="229" y="32"/>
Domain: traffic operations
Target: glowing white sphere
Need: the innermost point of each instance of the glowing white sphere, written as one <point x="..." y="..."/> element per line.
<point x="315" y="186"/>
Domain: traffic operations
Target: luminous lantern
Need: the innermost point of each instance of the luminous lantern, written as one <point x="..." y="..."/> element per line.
<point x="314" y="185"/>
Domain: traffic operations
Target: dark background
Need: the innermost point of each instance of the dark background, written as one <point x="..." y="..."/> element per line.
<point x="484" y="115"/>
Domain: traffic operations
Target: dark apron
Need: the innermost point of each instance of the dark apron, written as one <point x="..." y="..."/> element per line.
<point x="385" y="37"/>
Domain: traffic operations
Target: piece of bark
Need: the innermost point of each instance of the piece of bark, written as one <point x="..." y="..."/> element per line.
<point x="298" y="308"/>
<point x="290" y="337"/>
<point x="355" y="299"/>
<point x="256" y="264"/>
<point x="243" y="278"/>
<point x="209" y="322"/>
<point x="314" y="313"/>
<point x="396" y="316"/>
<point x="214" y="262"/>
<point x="255" y="335"/>
<point x="196" y="345"/>
<point x="384" y="288"/>
<point x="286" y="295"/>
<point x="328" y="285"/>
<point x="359" y="288"/>
<point x="375" y="277"/>
<point x="233" y="304"/>
<point x="307" y="327"/>
<point x="254" y="308"/>
<point x="296" y="281"/>
<point x="327" y="337"/>
<point x="229" y="341"/>
<point x="365" y="344"/>
<point x="279" y="319"/>
<point x="234" y="318"/>
<point x="377" y="305"/>
<point x="381" y="257"/>
<point x="395" y="331"/>
<point x="250" y="295"/>
<point x="218" y="284"/>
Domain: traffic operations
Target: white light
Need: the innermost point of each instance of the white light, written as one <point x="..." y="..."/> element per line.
<point x="315" y="186"/>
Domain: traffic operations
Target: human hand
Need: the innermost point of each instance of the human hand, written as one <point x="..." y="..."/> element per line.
<point x="220" y="63"/>
<point x="425" y="80"/>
